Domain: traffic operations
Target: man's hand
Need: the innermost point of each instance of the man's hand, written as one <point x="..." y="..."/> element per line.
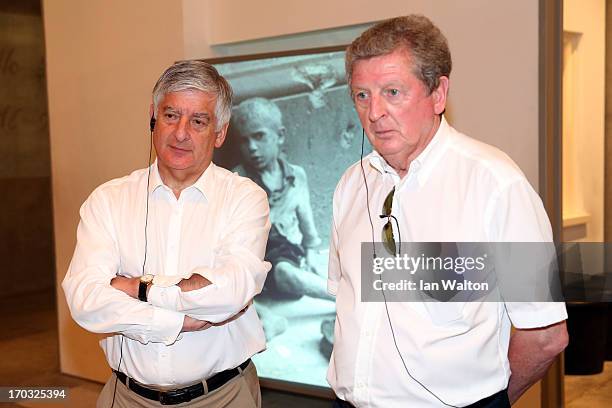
<point x="531" y="352"/>
<point x="128" y="286"/>
<point x="195" y="282"/>
<point x="191" y="324"/>
<point x="234" y="317"/>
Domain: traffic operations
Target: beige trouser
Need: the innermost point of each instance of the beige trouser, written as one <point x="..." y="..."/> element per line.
<point x="240" y="392"/>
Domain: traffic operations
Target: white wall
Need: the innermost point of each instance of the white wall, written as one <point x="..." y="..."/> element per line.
<point x="103" y="57"/>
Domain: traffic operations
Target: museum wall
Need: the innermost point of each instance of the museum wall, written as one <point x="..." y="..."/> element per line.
<point x="26" y="230"/>
<point x="584" y="34"/>
<point x="103" y="58"/>
<point x="494" y="83"/>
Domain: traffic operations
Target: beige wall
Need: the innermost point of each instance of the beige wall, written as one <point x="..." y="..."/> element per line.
<point x="494" y="84"/>
<point x="583" y="120"/>
<point x="104" y="56"/>
<point x="608" y="133"/>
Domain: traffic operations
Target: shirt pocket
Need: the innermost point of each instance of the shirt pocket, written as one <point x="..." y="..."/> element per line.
<point x="444" y="314"/>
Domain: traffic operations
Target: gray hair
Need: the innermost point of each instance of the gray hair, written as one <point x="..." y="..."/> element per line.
<point x="256" y="109"/>
<point x="424" y="42"/>
<point x="196" y="75"/>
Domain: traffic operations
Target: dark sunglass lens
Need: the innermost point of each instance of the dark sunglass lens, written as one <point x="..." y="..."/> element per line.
<point x="388" y="204"/>
<point x="388" y="238"/>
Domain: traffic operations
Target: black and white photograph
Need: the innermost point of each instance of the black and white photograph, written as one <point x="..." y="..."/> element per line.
<point x="293" y="131"/>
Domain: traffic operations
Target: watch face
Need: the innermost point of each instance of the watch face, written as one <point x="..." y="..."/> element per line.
<point x="146" y="278"/>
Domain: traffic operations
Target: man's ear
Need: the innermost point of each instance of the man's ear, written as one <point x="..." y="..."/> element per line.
<point x="439" y="95"/>
<point x="220" y="136"/>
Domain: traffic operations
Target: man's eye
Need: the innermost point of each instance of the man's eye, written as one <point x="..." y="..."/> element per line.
<point x="199" y="123"/>
<point x="361" y="95"/>
<point x="393" y="92"/>
<point x="170" y="116"/>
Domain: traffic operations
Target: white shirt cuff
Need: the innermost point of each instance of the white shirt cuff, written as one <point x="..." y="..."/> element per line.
<point x="166" y="281"/>
<point x="165" y="297"/>
<point x="167" y="324"/>
<point x="532" y="315"/>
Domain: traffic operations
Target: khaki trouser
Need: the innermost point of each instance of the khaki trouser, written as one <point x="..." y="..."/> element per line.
<point x="240" y="392"/>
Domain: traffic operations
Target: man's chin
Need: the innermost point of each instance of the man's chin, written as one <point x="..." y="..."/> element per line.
<point x="176" y="166"/>
<point x="386" y="150"/>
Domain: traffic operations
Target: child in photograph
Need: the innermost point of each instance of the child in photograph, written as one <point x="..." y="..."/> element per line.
<point x="293" y="240"/>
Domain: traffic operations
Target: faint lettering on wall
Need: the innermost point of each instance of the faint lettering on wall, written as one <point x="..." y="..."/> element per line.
<point x="8" y="64"/>
<point x="24" y="135"/>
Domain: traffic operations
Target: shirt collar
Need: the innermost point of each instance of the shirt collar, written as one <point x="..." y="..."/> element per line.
<point x="287" y="172"/>
<point x="202" y="184"/>
<point x="423" y="164"/>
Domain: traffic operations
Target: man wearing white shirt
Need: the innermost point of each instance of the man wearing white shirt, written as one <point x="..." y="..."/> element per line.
<point x="169" y="258"/>
<point x="440" y="186"/>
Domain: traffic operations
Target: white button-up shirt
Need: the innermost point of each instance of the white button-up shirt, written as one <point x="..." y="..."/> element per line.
<point x="218" y="228"/>
<point x="456" y="190"/>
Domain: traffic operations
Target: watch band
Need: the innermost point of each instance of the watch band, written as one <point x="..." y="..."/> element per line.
<point x="142" y="290"/>
<point x="145" y="281"/>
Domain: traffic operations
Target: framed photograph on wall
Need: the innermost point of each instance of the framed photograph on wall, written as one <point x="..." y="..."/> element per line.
<point x="294" y="131"/>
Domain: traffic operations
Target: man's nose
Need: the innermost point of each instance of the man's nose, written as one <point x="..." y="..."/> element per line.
<point x="181" y="132"/>
<point x="377" y="109"/>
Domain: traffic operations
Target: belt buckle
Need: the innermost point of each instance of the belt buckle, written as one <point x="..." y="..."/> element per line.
<point x="174" y="397"/>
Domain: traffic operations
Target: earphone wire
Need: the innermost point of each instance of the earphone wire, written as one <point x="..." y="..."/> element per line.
<point x="144" y="262"/>
<point x="382" y="278"/>
<point x="145" y="255"/>
<point x="393" y="331"/>
<point x="365" y="182"/>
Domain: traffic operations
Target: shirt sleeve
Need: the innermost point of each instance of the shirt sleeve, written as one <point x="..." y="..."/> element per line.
<point x="94" y="304"/>
<point x="517" y="215"/>
<point x="333" y="267"/>
<point x="239" y="271"/>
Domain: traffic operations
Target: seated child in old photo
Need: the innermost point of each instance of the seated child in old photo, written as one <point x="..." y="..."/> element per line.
<point x="293" y="241"/>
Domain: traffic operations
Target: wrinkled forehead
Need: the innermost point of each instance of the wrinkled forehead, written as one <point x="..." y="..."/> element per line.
<point x="401" y="52"/>
<point x="190" y="94"/>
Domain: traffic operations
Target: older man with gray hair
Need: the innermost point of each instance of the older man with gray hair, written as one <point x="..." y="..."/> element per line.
<point x="437" y="185"/>
<point x="169" y="258"/>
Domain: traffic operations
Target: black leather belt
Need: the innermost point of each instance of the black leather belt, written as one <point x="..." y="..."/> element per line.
<point x="497" y="400"/>
<point x="180" y="395"/>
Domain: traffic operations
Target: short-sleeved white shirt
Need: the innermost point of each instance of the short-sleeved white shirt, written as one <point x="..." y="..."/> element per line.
<point x="457" y="190"/>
